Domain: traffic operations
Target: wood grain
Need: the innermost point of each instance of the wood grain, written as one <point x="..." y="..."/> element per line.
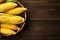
<point x="43" y="9"/>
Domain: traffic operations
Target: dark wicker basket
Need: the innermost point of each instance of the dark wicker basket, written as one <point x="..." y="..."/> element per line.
<point x="25" y="17"/>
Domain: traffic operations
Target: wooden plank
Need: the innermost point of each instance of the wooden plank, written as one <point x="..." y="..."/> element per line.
<point x="43" y="9"/>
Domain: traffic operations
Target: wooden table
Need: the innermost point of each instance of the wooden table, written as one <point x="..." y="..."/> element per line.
<point x="43" y="21"/>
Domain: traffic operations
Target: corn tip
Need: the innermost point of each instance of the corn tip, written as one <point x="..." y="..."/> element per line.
<point x="22" y="19"/>
<point x="14" y="32"/>
<point x="25" y="8"/>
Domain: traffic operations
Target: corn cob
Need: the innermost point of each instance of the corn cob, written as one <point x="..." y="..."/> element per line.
<point x="3" y="14"/>
<point x="7" y="31"/>
<point x="18" y="10"/>
<point x="11" y="19"/>
<point x="10" y="26"/>
<point x="7" y="6"/>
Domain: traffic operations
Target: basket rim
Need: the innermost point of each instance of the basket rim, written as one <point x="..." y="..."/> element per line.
<point x="25" y="17"/>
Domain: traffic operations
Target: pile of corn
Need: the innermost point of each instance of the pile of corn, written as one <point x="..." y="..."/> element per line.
<point x="9" y="17"/>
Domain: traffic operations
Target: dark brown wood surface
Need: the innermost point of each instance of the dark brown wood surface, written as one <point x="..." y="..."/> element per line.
<point x="43" y="21"/>
<point x="43" y="9"/>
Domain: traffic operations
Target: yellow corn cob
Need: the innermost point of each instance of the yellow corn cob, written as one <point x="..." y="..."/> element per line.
<point x="18" y="10"/>
<point x="7" y="31"/>
<point x="10" y="26"/>
<point x="1" y="1"/>
<point x="7" y="6"/>
<point x="11" y="19"/>
<point x="4" y="14"/>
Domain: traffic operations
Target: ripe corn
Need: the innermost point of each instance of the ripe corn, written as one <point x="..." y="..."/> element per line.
<point x="10" y="26"/>
<point x="7" y="6"/>
<point x="11" y="19"/>
<point x="7" y="31"/>
<point x="3" y="14"/>
<point x="18" y="10"/>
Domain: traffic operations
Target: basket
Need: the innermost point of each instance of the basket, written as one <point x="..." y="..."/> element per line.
<point x="25" y="17"/>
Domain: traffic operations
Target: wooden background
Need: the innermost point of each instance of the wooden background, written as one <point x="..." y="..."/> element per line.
<point x="43" y="9"/>
<point x="43" y="21"/>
